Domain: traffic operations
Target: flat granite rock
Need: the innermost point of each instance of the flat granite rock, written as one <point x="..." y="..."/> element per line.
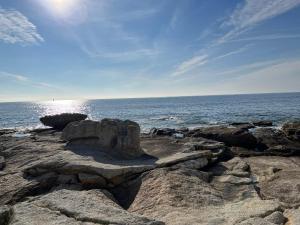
<point x="277" y="177"/>
<point x="74" y="208"/>
<point x="178" y="198"/>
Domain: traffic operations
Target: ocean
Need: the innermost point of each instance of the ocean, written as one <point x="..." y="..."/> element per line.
<point x="162" y="112"/>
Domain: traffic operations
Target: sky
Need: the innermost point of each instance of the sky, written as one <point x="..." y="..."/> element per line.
<point x="89" y="49"/>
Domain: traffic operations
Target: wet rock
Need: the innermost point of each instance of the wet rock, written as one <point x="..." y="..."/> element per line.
<point x="111" y="135"/>
<point x="263" y="123"/>
<point x="60" y="121"/>
<point x="230" y="136"/>
<point x="243" y="125"/>
<point x="75" y="208"/>
<point x="275" y="142"/>
<point x="5" y="214"/>
<point x="162" y="131"/>
<point x="292" y="130"/>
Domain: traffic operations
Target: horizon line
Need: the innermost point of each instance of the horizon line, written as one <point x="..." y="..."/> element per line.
<point x="153" y="97"/>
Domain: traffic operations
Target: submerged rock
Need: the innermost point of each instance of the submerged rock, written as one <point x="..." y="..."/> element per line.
<point x="60" y="121"/>
<point x="111" y="135"/>
<point x="263" y="123"/>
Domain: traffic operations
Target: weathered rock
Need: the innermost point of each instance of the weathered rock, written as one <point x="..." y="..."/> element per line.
<point x="75" y="208"/>
<point x="60" y="121"/>
<point x="276" y="218"/>
<point x="229" y="135"/>
<point x="293" y="216"/>
<point x="177" y="198"/>
<point x="5" y="214"/>
<point x="292" y="130"/>
<point x="275" y="142"/>
<point x="2" y="162"/>
<point x="111" y="135"/>
<point x="263" y="123"/>
<point x="277" y="177"/>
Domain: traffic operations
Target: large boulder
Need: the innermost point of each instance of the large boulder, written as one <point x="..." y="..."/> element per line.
<point x="292" y="130"/>
<point x="111" y="135"/>
<point x="60" y="121"/>
<point x="231" y="136"/>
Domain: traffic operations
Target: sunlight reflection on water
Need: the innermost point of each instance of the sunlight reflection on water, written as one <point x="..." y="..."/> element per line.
<point x="61" y="106"/>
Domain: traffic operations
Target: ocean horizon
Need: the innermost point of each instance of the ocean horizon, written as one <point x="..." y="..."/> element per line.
<point x="173" y="112"/>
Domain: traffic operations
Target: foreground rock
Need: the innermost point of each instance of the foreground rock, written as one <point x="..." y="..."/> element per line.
<point x="191" y="180"/>
<point x="186" y="199"/>
<point x="111" y="135"/>
<point x="75" y="208"/>
<point x="60" y="121"/>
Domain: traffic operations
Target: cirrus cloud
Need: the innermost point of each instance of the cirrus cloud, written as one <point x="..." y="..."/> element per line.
<point x="16" y="28"/>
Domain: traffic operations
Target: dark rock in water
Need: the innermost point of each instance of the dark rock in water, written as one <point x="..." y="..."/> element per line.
<point x="243" y="125"/>
<point x="263" y="123"/>
<point x="162" y="131"/>
<point x="230" y="136"/>
<point x="275" y="142"/>
<point x="112" y="135"/>
<point x="60" y="121"/>
<point x="292" y="130"/>
<point x="7" y="131"/>
<point x="2" y="162"/>
<point x="5" y="215"/>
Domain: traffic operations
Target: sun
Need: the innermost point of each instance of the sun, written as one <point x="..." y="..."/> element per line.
<point x="61" y="8"/>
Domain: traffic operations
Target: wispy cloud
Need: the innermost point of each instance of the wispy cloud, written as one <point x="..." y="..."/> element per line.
<point x="16" y="28"/>
<point x="121" y="56"/>
<point x="268" y="37"/>
<point x="254" y="12"/>
<point x="25" y="80"/>
<point x="190" y="64"/>
<point x="201" y="60"/>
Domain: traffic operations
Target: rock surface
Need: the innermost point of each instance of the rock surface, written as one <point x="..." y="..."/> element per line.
<point x="2" y="162"/>
<point x="60" y="121"/>
<point x="75" y="207"/>
<point x="292" y="130"/>
<point x="5" y="215"/>
<point x="229" y="135"/>
<point x="197" y="179"/>
<point x="111" y="135"/>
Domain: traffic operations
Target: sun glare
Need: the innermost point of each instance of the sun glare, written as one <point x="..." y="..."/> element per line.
<point x="63" y="9"/>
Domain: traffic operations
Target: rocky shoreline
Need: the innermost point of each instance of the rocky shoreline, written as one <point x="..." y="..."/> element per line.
<point x="108" y="173"/>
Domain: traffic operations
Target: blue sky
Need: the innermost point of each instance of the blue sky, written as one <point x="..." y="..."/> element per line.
<point x="80" y="49"/>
